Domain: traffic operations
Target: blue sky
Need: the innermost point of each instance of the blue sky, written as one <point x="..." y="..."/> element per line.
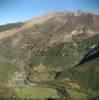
<point x="20" y="10"/>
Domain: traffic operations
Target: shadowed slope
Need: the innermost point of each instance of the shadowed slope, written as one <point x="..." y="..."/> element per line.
<point x="92" y="54"/>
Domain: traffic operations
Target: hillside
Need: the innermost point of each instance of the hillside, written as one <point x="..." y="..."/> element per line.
<point x="46" y="49"/>
<point x="10" y="26"/>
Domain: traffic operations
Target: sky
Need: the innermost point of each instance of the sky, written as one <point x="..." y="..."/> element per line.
<point x="21" y="10"/>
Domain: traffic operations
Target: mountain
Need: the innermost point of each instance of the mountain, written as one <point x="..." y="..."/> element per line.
<point x="10" y="26"/>
<point x="46" y="48"/>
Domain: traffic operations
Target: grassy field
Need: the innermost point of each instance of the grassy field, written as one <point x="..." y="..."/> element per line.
<point x="7" y="71"/>
<point x="36" y="92"/>
<point x="42" y="93"/>
<point x="77" y="95"/>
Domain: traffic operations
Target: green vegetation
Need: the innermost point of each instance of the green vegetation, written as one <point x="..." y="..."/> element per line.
<point x="56" y="61"/>
<point x="77" y="95"/>
<point x="86" y="75"/>
<point x="36" y="92"/>
<point x="7" y="71"/>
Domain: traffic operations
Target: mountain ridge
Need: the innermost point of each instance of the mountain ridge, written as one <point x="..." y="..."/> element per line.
<point x="52" y="43"/>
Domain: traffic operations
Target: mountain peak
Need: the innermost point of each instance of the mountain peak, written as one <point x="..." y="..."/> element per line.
<point x="80" y="12"/>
